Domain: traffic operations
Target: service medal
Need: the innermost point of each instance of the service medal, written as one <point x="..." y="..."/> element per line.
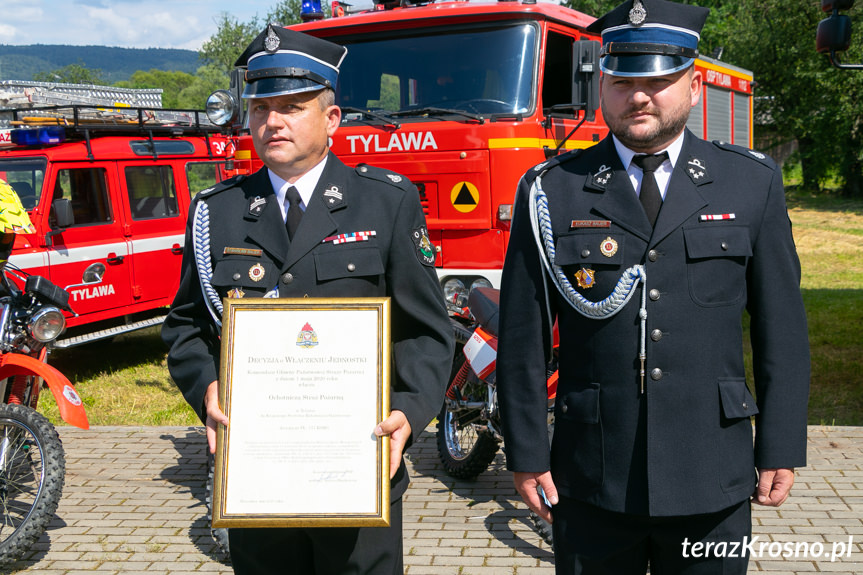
<point x="608" y="247"/>
<point x="236" y="293"/>
<point x="584" y="277"/>
<point x="257" y="272"/>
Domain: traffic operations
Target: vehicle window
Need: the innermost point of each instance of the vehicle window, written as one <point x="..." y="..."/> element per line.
<point x="152" y="193"/>
<point x="204" y="175"/>
<point x="557" y="71"/>
<point x="485" y="70"/>
<point x="162" y="147"/>
<point x="87" y="190"/>
<point x="26" y="177"/>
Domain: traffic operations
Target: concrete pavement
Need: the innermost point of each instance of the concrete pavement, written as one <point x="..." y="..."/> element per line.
<point x="134" y="502"/>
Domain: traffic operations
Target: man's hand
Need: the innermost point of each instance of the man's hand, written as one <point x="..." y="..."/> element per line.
<point x="214" y="414"/>
<point x="774" y="486"/>
<point x="526" y="484"/>
<point x="399" y="430"/>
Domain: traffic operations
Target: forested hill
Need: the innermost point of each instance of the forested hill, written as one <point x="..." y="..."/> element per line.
<point x="114" y="64"/>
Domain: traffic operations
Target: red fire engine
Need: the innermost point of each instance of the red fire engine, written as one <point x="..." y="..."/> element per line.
<point x="107" y="187"/>
<point x="463" y="98"/>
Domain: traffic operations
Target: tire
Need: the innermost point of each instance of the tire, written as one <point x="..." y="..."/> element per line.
<point x="464" y="451"/>
<point x="543" y="528"/>
<point x="220" y="535"/>
<point x="32" y="471"/>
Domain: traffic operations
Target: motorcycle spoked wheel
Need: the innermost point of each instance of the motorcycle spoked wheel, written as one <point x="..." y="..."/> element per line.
<point x="464" y="451"/>
<point x="31" y="478"/>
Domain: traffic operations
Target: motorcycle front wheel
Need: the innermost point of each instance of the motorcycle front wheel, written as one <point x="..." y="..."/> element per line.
<point x="464" y="450"/>
<point x="32" y="470"/>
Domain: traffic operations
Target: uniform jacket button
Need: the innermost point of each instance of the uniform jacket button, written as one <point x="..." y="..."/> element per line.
<point x="287" y="278"/>
<point x="653" y="255"/>
<point x="351" y="267"/>
<point x="236" y="277"/>
<point x="585" y="253"/>
<point x="655" y="374"/>
<point x="654" y="294"/>
<point x="656" y="335"/>
<point x="724" y="246"/>
<point x="564" y="408"/>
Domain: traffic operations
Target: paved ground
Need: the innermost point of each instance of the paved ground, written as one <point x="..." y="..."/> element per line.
<point x="134" y="503"/>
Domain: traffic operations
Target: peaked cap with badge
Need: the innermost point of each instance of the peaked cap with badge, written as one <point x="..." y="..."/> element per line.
<point x="280" y="61"/>
<point x="649" y="37"/>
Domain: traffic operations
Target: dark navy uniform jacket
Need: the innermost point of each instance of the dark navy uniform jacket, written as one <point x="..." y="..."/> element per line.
<point x="394" y="263"/>
<point x="686" y="445"/>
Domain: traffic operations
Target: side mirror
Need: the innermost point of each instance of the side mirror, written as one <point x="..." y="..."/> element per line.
<point x="585" y="81"/>
<point x="834" y="32"/>
<point x="63" y="214"/>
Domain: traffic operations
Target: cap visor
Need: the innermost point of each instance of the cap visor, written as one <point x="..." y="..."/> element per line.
<point x="643" y="65"/>
<point x="280" y="86"/>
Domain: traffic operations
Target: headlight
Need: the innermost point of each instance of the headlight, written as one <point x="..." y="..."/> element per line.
<point x="455" y="292"/>
<point x="47" y="324"/>
<point x="478" y="283"/>
<point x="222" y="107"/>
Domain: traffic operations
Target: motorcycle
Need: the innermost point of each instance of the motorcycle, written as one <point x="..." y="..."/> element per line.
<point x="468" y="427"/>
<point x="32" y="461"/>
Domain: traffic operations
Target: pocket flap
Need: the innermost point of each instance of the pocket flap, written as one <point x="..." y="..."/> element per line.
<point x="589" y="248"/>
<point x="342" y="263"/>
<point x="719" y="241"/>
<point x="245" y="272"/>
<point x="581" y="405"/>
<point x="736" y="400"/>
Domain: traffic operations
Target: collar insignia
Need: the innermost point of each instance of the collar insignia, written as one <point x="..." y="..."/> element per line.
<point x="697" y="171"/>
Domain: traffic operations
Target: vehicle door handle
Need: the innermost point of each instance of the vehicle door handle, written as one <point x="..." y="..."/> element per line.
<point x="114" y="258"/>
<point x="176" y="249"/>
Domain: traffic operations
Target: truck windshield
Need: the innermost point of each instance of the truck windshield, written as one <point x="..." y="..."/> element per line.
<point x="26" y="177"/>
<point x="480" y="70"/>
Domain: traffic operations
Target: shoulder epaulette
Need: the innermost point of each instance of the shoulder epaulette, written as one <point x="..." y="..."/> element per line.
<point x="746" y="152"/>
<point x="221" y="186"/>
<point x="385" y="176"/>
<point x="550" y="163"/>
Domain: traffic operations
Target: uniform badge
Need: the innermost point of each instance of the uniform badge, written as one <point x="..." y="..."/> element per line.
<point x="236" y="293"/>
<point x="585" y="278"/>
<point x="256" y="206"/>
<point x="637" y="15"/>
<point x="272" y="42"/>
<point x="608" y="247"/>
<point x="307" y="337"/>
<point x="758" y="155"/>
<point x="257" y="272"/>
<point x="602" y="176"/>
<point x="333" y="196"/>
<point x="394" y="178"/>
<point x="425" y="249"/>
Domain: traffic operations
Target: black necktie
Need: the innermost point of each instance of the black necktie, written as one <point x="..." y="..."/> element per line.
<point x="295" y="213"/>
<point x="650" y="197"/>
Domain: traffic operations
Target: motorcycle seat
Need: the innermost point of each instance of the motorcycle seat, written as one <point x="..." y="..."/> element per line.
<point x="484" y="304"/>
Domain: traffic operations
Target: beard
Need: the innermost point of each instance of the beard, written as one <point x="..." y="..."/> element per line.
<point x="669" y="124"/>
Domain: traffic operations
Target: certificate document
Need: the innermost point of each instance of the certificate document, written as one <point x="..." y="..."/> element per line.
<point x="304" y="383"/>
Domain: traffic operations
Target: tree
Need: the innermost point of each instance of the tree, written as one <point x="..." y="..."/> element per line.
<point x="72" y="74"/>
<point x="229" y="41"/>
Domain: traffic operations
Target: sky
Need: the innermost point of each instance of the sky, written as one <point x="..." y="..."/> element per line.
<point x="182" y="24"/>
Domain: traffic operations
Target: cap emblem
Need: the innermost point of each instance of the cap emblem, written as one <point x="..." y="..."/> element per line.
<point x="272" y="41"/>
<point x="637" y="15"/>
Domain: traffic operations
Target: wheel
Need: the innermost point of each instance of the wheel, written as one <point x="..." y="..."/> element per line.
<point x="220" y="535"/>
<point x="464" y="450"/>
<point x="32" y="469"/>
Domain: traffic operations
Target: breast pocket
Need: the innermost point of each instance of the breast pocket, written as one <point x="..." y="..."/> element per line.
<point x="599" y="252"/>
<point x="716" y="264"/>
<point x="253" y="276"/>
<point x="365" y="263"/>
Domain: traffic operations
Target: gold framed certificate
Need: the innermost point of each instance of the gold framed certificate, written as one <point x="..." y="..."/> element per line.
<point x="304" y="383"/>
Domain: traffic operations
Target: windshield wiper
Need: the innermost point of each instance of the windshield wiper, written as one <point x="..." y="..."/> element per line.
<point x="439" y="112"/>
<point x="368" y="113"/>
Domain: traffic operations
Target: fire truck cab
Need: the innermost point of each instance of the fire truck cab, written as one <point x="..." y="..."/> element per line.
<point x="107" y="189"/>
<point x="463" y="98"/>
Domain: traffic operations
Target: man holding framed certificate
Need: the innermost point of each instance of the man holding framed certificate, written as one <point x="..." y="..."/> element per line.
<point x="308" y="228"/>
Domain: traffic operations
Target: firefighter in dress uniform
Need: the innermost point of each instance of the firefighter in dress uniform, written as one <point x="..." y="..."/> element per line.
<point x="307" y="225"/>
<point x="646" y="249"/>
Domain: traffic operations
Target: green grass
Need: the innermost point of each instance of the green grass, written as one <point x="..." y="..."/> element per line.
<point x="125" y="381"/>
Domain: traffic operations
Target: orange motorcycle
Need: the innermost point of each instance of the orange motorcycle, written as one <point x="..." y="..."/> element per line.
<point x="32" y="462"/>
